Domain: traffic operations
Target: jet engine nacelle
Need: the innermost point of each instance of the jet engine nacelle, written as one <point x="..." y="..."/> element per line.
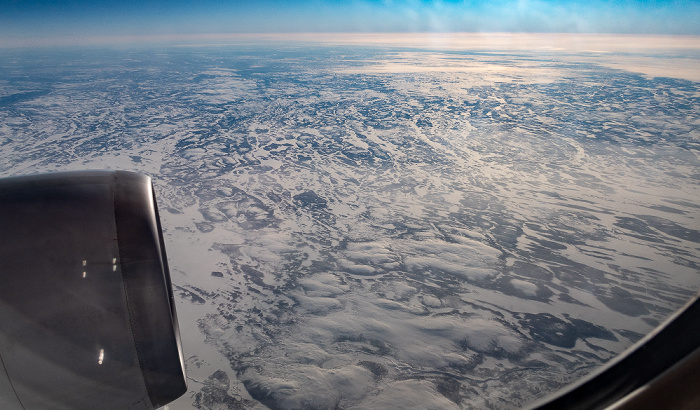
<point x="87" y="315"/>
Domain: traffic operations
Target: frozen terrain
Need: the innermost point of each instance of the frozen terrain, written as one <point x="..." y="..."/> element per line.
<point x="386" y="227"/>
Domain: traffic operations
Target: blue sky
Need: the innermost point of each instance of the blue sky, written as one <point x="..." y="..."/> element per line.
<point x="44" y="18"/>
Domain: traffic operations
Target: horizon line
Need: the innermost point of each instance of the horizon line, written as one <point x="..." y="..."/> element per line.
<point x="439" y="39"/>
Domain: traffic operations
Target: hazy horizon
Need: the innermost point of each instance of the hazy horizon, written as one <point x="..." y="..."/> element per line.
<point x="22" y="21"/>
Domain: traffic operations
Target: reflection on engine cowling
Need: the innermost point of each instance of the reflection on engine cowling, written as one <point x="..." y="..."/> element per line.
<point x="87" y="317"/>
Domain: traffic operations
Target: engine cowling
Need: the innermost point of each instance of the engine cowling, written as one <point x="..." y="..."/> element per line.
<point x="87" y="315"/>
